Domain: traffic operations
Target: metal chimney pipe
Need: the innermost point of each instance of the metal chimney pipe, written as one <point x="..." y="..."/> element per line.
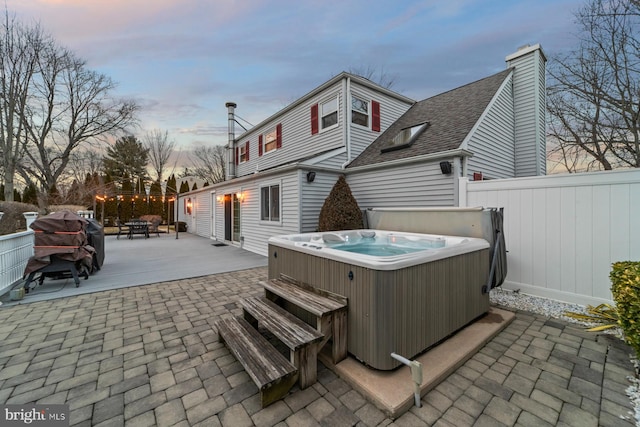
<point x="231" y="149"/>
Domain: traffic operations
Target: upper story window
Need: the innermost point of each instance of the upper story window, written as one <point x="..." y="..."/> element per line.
<point x="329" y="113"/>
<point x="244" y="153"/>
<point x="272" y="140"/>
<point x="359" y="111"/>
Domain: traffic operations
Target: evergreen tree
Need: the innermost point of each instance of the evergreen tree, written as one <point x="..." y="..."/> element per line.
<point x="126" y="157"/>
<point x="340" y="210"/>
<point x="126" y="199"/>
<point x="30" y="194"/>
<point x="156" y="199"/>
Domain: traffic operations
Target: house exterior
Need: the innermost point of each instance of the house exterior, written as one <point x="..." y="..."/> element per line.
<point x="393" y="150"/>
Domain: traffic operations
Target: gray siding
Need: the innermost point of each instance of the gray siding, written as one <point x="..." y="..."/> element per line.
<point x="492" y="142"/>
<point x="335" y="162"/>
<point x="297" y="141"/>
<point x="529" y="111"/>
<point x="255" y="232"/>
<point x="202" y="208"/>
<point x="417" y="184"/>
<point x="313" y="197"/>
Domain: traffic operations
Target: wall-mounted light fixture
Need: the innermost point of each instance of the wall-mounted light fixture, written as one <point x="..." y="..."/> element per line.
<point x="219" y="199"/>
<point x="311" y="176"/>
<point x="445" y="167"/>
<point x="240" y="196"/>
<point x="189" y="206"/>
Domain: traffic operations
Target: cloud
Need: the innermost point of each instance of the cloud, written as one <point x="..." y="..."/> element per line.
<point x="183" y="59"/>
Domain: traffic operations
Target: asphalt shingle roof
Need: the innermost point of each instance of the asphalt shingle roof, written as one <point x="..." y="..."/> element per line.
<point x="451" y="116"/>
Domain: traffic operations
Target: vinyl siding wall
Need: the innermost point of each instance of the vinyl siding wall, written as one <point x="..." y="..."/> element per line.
<point x="529" y="111"/>
<point x="297" y="141"/>
<point x="255" y="232"/>
<point x="492" y="142"/>
<point x="417" y="184"/>
<point x="202" y="209"/>
<point x="313" y="197"/>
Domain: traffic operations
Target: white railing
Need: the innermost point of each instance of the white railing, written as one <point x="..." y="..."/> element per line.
<point x="563" y="232"/>
<point x="15" y="251"/>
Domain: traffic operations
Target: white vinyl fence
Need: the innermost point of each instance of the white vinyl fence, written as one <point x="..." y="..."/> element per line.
<point x="563" y="232"/>
<point x="15" y="250"/>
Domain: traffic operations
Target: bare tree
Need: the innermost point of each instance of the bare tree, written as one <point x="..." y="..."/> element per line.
<point x="19" y="49"/>
<point x="378" y="76"/>
<point x="209" y="163"/>
<point x="68" y="106"/>
<point x="594" y="95"/>
<point x="160" y="149"/>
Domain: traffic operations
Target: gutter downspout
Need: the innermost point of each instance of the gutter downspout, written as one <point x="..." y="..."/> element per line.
<point x="346" y="86"/>
<point x="231" y="140"/>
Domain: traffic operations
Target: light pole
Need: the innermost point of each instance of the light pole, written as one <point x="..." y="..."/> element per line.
<point x="175" y="222"/>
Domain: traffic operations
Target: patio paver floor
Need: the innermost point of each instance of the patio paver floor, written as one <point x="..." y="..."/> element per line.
<point x="149" y="355"/>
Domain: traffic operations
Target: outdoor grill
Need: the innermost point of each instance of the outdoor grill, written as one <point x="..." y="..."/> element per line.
<point x="65" y="245"/>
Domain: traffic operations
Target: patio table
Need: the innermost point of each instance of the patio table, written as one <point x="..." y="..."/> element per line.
<point x="138" y="227"/>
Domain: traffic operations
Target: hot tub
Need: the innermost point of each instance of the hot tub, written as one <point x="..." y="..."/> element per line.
<point x="406" y="291"/>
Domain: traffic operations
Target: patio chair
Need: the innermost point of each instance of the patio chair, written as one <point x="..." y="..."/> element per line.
<point x="122" y="229"/>
<point x="154" y="223"/>
<point x="138" y="226"/>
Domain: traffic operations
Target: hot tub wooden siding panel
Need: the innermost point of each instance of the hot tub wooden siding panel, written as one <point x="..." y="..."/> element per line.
<point x="405" y="311"/>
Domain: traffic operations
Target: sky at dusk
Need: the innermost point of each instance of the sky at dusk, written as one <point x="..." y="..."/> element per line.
<point x="181" y="60"/>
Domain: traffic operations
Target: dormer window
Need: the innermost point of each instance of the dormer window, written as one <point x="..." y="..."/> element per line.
<point x="405" y="138"/>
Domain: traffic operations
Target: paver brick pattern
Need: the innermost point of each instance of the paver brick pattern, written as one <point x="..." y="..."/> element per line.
<point x="149" y="355"/>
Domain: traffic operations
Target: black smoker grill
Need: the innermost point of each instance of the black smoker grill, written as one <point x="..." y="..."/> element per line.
<point x="65" y="245"/>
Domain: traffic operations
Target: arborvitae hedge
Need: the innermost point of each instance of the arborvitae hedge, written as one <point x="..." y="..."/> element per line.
<point x="340" y="210"/>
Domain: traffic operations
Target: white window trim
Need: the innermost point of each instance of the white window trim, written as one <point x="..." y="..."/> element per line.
<point x="273" y="129"/>
<point x="321" y="129"/>
<point x="260" y="187"/>
<point x="243" y="147"/>
<point x="369" y="117"/>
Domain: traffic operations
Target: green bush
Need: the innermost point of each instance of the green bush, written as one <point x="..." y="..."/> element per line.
<point x="340" y="210"/>
<point x="625" y="286"/>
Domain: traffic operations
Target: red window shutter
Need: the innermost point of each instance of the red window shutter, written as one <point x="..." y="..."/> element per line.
<point x="279" y="135"/>
<point x="247" y="150"/>
<point x="375" y="116"/>
<point x="237" y="154"/>
<point x="314" y="119"/>
<point x="259" y="145"/>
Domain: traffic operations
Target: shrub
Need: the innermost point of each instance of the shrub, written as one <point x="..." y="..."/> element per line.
<point x="625" y="286"/>
<point x="340" y="210"/>
<point x="13" y="220"/>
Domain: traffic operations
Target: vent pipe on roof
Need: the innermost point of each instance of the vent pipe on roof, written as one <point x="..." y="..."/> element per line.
<point x="231" y="149"/>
